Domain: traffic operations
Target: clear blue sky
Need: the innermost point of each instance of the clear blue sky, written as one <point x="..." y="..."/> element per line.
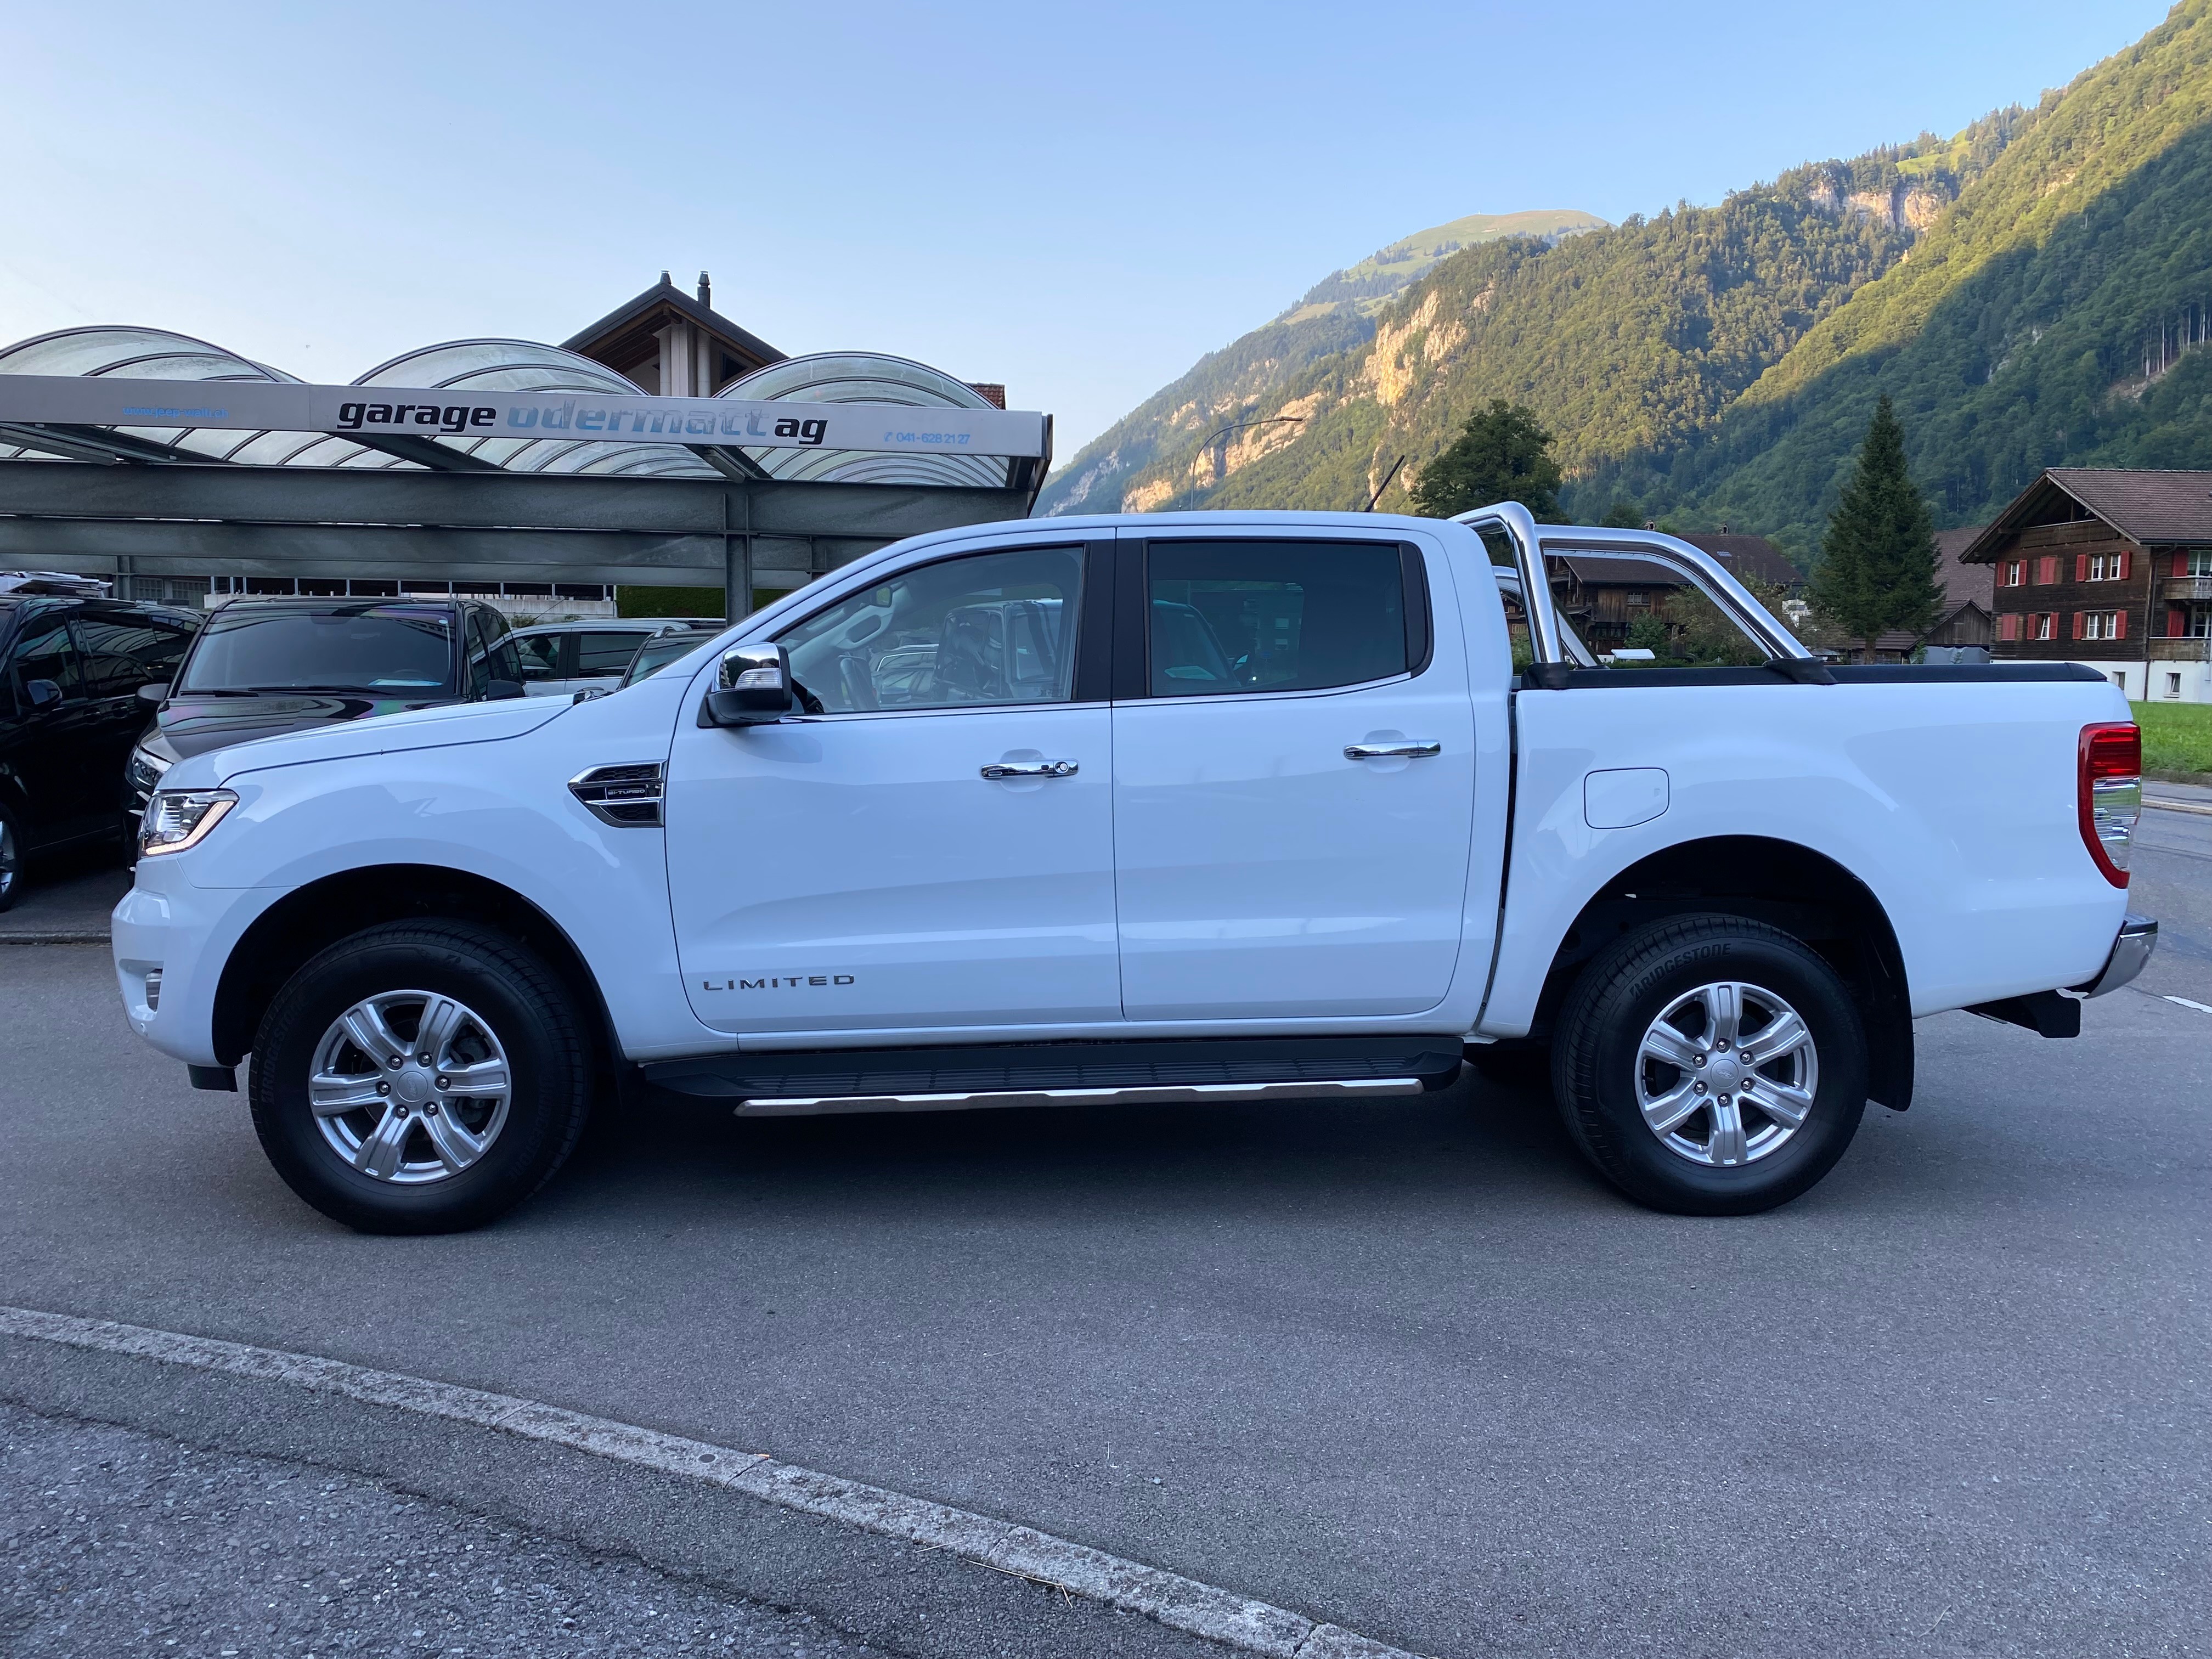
<point x="1077" y="200"/>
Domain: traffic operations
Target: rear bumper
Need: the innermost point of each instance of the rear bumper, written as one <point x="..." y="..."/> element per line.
<point x="2130" y="950"/>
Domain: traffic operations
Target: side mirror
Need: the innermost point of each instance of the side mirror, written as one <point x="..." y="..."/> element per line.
<point x="494" y="690"/>
<point x="753" y="689"/>
<point x="41" y="694"/>
<point x="154" y="693"/>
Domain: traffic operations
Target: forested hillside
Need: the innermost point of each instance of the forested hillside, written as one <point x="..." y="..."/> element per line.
<point x="1336" y="315"/>
<point x="2028" y="292"/>
<point x="2052" y="317"/>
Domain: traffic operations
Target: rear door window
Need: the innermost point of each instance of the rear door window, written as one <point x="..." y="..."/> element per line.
<point x="541" y="657"/>
<point x="1290" y="616"/>
<point x="604" y="652"/>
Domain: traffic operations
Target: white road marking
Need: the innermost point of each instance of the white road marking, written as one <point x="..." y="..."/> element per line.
<point x="2161" y="804"/>
<point x="1182" y="1603"/>
<point x="2199" y="1006"/>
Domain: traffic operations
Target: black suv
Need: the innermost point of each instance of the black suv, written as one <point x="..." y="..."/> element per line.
<point x="70" y="670"/>
<point x="264" y="666"/>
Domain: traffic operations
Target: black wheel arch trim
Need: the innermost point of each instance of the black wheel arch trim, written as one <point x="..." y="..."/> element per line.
<point x="1660" y="884"/>
<point x="283" y="937"/>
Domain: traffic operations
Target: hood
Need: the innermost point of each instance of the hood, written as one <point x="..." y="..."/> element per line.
<point x="191" y="724"/>
<point x="435" y="727"/>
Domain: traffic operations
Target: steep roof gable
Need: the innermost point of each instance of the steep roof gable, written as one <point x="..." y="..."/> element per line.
<point x="2151" y="507"/>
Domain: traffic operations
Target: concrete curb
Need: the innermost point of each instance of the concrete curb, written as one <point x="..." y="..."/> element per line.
<point x="2158" y="805"/>
<point x="58" y="935"/>
<point x="1181" y="1603"/>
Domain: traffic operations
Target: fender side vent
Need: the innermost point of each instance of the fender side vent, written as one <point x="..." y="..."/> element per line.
<point x="628" y="797"/>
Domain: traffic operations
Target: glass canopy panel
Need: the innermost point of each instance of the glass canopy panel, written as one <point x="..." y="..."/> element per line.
<point x="185" y="366"/>
<point x="866" y="377"/>
<point x="855" y="377"/>
<point x="500" y="365"/>
<point x="108" y="349"/>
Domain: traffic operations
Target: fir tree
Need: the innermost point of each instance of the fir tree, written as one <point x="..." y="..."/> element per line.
<point x="1878" y="568"/>
<point x="1502" y="454"/>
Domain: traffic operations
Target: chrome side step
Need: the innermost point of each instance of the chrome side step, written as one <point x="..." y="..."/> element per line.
<point x="1154" y="1094"/>
<point x="1046" y="1074"/>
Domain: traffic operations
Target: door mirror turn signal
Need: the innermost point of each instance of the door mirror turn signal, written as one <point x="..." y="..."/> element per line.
<point x="753" y="688"/>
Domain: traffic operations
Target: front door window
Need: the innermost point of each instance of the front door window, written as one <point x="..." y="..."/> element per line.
<point x="992" y="627"/>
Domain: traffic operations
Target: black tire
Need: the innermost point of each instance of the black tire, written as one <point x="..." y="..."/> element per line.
<point x="1596" y="1065"/>
<point x="514" y="996"/>
<point x="11" y="862"/>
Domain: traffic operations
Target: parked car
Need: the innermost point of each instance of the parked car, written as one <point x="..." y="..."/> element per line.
<point x="561" y="659"/>
<point x="70" y="674"/>
<point x="265" y="665"/>
<point x="657" y="652"/>
<point x="1180" y="808"/>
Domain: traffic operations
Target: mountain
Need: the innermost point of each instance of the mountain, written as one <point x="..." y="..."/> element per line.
<point x="1336" y="314"/>
<point x="2032" y="291"/>
<point x="2054" y="316"/>
<point x="1628" y="341"/>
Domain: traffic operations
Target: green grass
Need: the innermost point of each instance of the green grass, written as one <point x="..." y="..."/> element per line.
<point x="2177" y="740"/>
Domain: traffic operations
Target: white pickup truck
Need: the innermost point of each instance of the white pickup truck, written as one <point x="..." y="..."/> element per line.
<point x="1188" y="808"/>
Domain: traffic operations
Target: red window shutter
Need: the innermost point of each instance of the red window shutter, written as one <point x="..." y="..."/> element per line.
<point x="2008" y="625"/>
<point x="2119" y="624"/>
<point x="2176" y="622"/>
<point x="2127" y="562"/>
<point x="2081" y="567"/>
<point x="2079" y="620"/>
<point x="2046" y="570"/>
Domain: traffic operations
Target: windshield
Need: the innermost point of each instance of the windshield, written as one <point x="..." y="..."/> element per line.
<point x="393" y="650"/>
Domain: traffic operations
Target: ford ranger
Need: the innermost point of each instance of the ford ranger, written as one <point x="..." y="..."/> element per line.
<point x="1199" y="808"/>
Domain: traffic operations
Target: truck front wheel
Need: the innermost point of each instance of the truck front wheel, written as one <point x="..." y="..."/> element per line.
<point x="420" y="1077"/>
<point x="1709" y="1065"/>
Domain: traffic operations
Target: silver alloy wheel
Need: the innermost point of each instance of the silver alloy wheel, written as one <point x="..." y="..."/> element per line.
<point x="1726" y="1074"/>
<point x="410" y="1087"/>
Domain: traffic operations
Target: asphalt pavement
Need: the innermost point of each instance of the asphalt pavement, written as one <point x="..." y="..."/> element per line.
<point x="2171" y="880"/>
<point x="1405" y="1366"/>
<point x="121" y="1542"/>
<point x="67" y="897"/>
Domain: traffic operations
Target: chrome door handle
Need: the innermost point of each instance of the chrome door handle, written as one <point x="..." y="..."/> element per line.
<point x="1030" y="769"/>
<point x="1412" y="748"/>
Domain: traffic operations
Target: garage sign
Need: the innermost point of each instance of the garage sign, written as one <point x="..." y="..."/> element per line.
<point x="284" y="406"/>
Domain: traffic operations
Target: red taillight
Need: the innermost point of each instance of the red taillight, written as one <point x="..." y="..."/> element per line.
<point x="2110" y="794"/>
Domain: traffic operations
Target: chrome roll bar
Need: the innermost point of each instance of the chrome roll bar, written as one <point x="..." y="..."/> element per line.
<point x="1531" y="541"/>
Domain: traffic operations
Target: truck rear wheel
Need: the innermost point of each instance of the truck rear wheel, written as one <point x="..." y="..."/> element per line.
<point x="1709" y="1065"/>
<point x="420" y="1077"/>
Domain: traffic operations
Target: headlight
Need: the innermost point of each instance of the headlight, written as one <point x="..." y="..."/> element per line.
<point x="144" y="772"/>
<point x="178" y="820"/>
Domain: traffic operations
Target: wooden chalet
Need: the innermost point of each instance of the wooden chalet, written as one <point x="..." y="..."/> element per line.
<point x="2112" y="566"/>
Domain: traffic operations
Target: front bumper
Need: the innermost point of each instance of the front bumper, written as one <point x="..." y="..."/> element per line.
<point x="2130" y="950"/>
<point x="165" y="925"/>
